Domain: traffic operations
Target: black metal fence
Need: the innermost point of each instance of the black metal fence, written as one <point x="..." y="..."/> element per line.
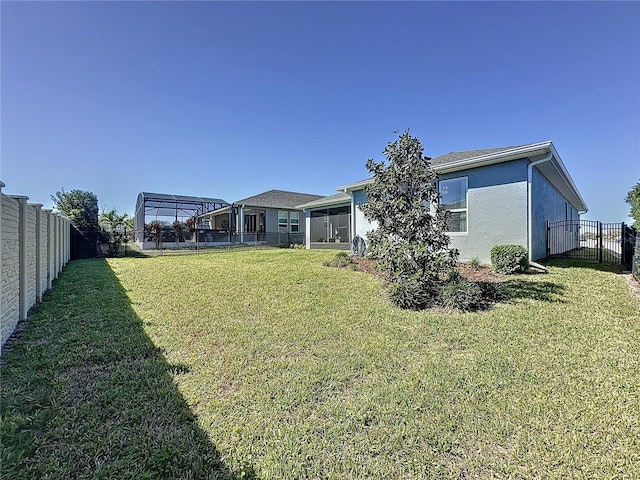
<point x="591" y="240"/>
<point x="84" y="244"/>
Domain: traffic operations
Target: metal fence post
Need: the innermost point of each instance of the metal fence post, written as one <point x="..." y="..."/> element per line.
<point x="623" y="244"/>
<point x="600" y="242"/>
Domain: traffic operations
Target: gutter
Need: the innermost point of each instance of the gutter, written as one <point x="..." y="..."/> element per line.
<point x="479" y="161"/>
<point x="498" y="157"/>
<point x="547" y="158"/>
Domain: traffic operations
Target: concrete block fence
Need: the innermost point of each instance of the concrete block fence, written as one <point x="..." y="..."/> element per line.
<point x="35" y="246"/>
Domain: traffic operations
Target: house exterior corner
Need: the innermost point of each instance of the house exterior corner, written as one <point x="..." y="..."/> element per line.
<point x="495" y="197"/>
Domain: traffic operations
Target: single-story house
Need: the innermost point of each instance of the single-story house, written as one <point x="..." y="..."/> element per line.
<point x="496" y="196"/>
<point x="263" y="217"/>
<point x="267" y="218"/>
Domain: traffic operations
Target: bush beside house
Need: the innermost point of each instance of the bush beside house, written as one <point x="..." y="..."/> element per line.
<point x="509" y="259"/>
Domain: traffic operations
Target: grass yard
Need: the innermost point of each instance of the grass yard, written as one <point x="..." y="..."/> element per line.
<point x="267" y="364"/>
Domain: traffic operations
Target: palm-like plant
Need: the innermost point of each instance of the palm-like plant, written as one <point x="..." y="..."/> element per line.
<point x="114" y="226"/>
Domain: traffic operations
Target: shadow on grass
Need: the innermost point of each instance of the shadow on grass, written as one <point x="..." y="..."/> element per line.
<point x="517" y="289"/>
<point x="86" y="394"/>
<point x="134" y="253"/>
<point x="591" y="264"/>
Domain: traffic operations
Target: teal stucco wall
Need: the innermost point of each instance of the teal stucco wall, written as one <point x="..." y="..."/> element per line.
<point x="549" y="205"/>
<point x="496" y="209"/>
<point x="361" y="225"/>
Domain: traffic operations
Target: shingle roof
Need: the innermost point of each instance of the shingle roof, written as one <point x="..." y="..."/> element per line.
<point x="278" y="199"/>
<point x="447" y="159"/>
<point x="330" y="200"/>
<point x="454" y="157"/>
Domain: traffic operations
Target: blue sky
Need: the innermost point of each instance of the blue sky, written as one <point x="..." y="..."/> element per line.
<point x="231" y="99"/>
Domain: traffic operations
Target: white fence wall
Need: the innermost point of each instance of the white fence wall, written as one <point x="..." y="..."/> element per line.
<point x="35" y="248"/>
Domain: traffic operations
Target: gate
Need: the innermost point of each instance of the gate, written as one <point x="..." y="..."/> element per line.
<point x="591" y="240"/>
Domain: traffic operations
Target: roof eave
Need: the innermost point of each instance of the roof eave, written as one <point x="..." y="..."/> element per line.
<point x="274" y="207"/>
<point x="354" y="186"/>
<point x="479" y="161"/>
<point x="557" y="161"/>
<point x="498" y="157"/>
<point x="318" y="204"/>
<point x="525" y="151"/>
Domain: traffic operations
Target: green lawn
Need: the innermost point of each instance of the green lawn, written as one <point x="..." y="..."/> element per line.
<point x="268" y="364"/>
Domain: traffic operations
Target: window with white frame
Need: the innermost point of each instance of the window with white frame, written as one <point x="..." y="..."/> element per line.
<point x="283" y="222"/>
<point x="454" y="199"/>
<point x="294" y="221"/>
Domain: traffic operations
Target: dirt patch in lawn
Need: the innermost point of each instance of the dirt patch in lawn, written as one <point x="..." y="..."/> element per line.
<point x="368" y="266"/>
<point x="479" y="274"/>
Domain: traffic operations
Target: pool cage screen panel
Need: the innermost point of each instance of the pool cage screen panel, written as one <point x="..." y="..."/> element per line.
<point x="169" y="208"/>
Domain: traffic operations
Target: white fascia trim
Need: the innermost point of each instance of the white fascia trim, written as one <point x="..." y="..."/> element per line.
<point x="354" y="186"/>
<point x="498" y="157"/>
<point x="529" y="151"/>
<point x="217" y="212"/>
<point x="264" y="207"/>
<point x="566" y="177"/>
<point x="345" y="201"/>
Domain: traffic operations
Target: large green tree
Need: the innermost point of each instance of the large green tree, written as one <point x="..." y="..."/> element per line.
<point x="80" y="207"/>
<point x="633" y="199"/>
<point x="410" y="240"/>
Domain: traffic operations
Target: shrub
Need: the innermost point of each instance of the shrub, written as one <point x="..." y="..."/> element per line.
<point x="490" y="291"/>
<point x="341" y="259"/>
<point x="474" y="262"/>
<point x="412" y="292"/>
<point x="453" y="275"/>
<point x="463" y="295"/>
<point x="509" y="259"/>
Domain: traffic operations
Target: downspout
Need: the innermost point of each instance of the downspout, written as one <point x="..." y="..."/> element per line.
<point x="240" y="226"/>
<point x="353" y="217"/>
<point x="547" y="158"/>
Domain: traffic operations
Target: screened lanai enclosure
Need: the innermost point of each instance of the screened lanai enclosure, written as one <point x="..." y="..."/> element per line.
<point x="171" y="221"/>
<point x="331" y="228"/>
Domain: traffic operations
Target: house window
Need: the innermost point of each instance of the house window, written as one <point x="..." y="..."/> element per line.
<point x="283" y="222"/>
<point x="294" y="221"/>
<point x="454" y="199"/>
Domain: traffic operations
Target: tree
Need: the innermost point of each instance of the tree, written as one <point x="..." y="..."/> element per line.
<point x="129" y="225"/>
<point x="633" y="199"/>
<point x="178" y="228"/>
<point x="410" y="240"/>
<point x="114" y="226"/>
<point x="155" y="230"/>
<point x="80" y="207"/>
